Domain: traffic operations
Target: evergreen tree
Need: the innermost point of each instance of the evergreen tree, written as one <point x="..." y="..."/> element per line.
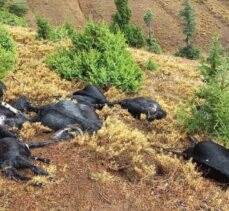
<point x="123" y="15"/>
<point x="188" y="16"/>
<point x="211" y="65"/>
<point x="148" y="18"/>
<point x="153" y="45"/>
<point x="121" y="22"/>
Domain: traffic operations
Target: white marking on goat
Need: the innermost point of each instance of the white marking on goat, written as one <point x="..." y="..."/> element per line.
<point x="2" y="119"/>
<point x="27" y="146"/>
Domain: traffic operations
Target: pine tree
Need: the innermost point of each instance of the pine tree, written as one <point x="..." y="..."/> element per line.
<point x="188" y="16"/>
<point x="153" y="45"/>
<point x="121" y="22"/>
<point x="148" y="18"/>
<point x="189" y="20"/>
<point x="211" y="66"/>
<point x="123" y="15"/>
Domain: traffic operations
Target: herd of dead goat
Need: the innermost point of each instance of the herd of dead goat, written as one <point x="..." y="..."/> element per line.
<point x="76" y="116"/>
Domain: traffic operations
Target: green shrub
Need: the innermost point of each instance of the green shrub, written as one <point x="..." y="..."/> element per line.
<point x="151" y="65"/>
<point x="134" y="36"/>
<point x="154" y="46"/>
<point x="64" y="31"/>
<point x="11" y="19"/>
<point x="210" y="66"/>
<point x="212" y="117"/>
<point x="18" y="8"/>
<point x="47" y="32"/>
<point x="98" y="57"/>
<point x="7" y="52"/>
<point x="189" y="52"/>
<point x="44" y="30"/>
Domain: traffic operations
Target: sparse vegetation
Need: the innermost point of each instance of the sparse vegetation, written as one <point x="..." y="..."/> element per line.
<point x="7" y="52"/>
<point x="98" y="57"/>
<point x="121" y="22"/>
<point x="188" y="16"/>
<point x="151" y="65"/>
<point x="152" y="44"/>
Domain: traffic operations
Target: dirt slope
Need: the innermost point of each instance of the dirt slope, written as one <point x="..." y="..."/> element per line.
<point x="101" y="172"/>
<point x="212" y="16"/>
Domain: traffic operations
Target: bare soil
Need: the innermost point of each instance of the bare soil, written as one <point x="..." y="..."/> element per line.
<point x="212" y="17"/>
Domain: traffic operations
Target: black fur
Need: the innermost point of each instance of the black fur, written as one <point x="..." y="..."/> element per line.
<point x="212" y="159"/>
<point x="141" y="105"/>
<point x="16" y="155"/>
<point x="65" y="113"/>
<point x="90" y="96"/>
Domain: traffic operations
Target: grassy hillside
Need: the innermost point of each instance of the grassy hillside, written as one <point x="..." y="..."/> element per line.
<point x="212" y="16"/>
<point x="115" y="169"/>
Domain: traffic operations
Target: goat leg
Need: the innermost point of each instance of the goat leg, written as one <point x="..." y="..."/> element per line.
<point x="34" y="145"/>
<point x="11" y="173"/>
<point x="27" y="164"/>
<point x="44" y="160"/>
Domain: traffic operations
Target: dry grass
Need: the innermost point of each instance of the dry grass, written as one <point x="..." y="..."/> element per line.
<point x="122" y="146"/>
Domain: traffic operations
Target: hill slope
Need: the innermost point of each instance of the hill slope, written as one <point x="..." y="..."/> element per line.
<point x="119" y="153"/>
<point x="212" y="16"/>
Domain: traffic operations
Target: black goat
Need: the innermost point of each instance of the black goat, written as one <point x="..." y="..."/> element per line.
<point x="66" y="113"/>
<point x="90" y="96"/>
<point x="16" y="155"/>
<point x="212" y="159"/>
<point x="141" y="105"/>
<point x="21" y="105"/>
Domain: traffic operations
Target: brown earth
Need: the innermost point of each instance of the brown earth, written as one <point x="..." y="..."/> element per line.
<point x="212" y="17"/>
<point x="115" y="169"/>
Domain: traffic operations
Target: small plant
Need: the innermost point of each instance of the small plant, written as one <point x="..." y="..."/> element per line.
<point x="190" y="52"/>
<point x="210" y="66"/>
<point x="98" y="57"/>
<point x="7" y="52"/>
<point x="121" y="22"/>
<point x="151" y="65"/>
<point x="44" y="30"/>
<point x="188" y="16"/>
<point x="153" y="45"/>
